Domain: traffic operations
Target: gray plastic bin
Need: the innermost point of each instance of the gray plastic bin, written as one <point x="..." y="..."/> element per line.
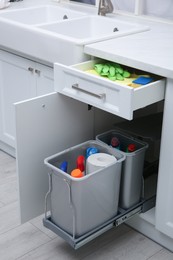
<point x="80" y="204"/>
<point x="148" y="129"/>
<point x="131" y="178"/>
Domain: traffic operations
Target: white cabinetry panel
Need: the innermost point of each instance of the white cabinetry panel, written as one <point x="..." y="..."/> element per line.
<point x="164" y="209"/>
<point x="44" y="78"/>
<point x="44" y="126"/>
<point x="16" y="84"/>
<point x="20" y="79"/>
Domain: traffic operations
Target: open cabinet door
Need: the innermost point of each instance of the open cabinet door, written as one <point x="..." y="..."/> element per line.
<point x="44" y="126"/>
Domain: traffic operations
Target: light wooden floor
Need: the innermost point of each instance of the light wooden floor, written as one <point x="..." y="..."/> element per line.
<point x="32" y="241"/>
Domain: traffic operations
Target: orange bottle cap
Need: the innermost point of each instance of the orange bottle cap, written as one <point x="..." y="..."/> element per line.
<point x="77" y="173"/>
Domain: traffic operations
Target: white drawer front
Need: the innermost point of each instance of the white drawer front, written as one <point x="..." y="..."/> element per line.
<point x="104" y="94"/>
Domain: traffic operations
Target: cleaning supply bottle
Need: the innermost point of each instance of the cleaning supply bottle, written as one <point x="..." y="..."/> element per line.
<point x="76" y="173"/>
<point x="115" y="143"/>
<point x="80" y="163"/>
<point x="131" y="148"/>
<point x="91" y="150"/>
<point x="63" y="166"/>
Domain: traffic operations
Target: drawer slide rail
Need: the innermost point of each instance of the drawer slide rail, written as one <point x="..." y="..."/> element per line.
<point x="123" y="215"/>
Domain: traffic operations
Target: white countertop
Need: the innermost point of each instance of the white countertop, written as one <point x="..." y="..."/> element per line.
<point x="151" y="50"/>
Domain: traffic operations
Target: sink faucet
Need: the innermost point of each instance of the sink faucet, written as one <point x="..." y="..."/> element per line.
<point x="105" y="6"/>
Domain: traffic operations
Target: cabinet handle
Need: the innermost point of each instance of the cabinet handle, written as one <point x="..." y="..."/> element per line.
<point x="37" y="72"/>
<point x="100" y="96"/>
<point x="31" y="69"/>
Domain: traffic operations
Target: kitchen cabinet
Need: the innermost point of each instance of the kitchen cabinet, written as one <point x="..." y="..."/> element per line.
<point x="112" y="101"/>
<point x="48" y="124"/>
<point x="53" y="127"/>
<point x="143" y="53"/>
<point x="20" y="79"/>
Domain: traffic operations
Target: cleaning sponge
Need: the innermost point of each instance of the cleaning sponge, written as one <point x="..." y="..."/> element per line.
<point x="143" y="80"/>
<point x="111" y="70"/>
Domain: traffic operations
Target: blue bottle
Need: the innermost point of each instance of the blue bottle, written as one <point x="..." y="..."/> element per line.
<point x="91" y="150"/>
<point x="63" y="166"/>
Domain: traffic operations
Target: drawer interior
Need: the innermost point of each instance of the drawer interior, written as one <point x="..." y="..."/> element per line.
<point x="114" y="71"/>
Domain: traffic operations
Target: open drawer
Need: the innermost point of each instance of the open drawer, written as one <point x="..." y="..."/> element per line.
<point x="103" y="93"/>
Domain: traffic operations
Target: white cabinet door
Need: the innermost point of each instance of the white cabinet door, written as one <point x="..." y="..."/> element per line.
<point x="44" y="126"/>
<point x="44" y="79"/>
<point x="16" y="83"/>
<point x="20" y="79"/>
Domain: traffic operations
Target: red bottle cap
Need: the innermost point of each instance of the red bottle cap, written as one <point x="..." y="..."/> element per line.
<point x="131" y="148"/>
<point x="115" y="142"/>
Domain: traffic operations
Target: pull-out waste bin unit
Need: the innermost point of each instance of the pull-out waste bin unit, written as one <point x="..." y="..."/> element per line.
<point x="79" y="205"/>
<point x="84" y="208"/>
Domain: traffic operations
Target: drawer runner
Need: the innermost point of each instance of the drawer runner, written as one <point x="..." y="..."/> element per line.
<point x="122" y="216"/>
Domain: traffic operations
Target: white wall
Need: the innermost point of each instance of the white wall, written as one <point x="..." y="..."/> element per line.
<point x="161" y="8"/>
<point x="125" y="5"/>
